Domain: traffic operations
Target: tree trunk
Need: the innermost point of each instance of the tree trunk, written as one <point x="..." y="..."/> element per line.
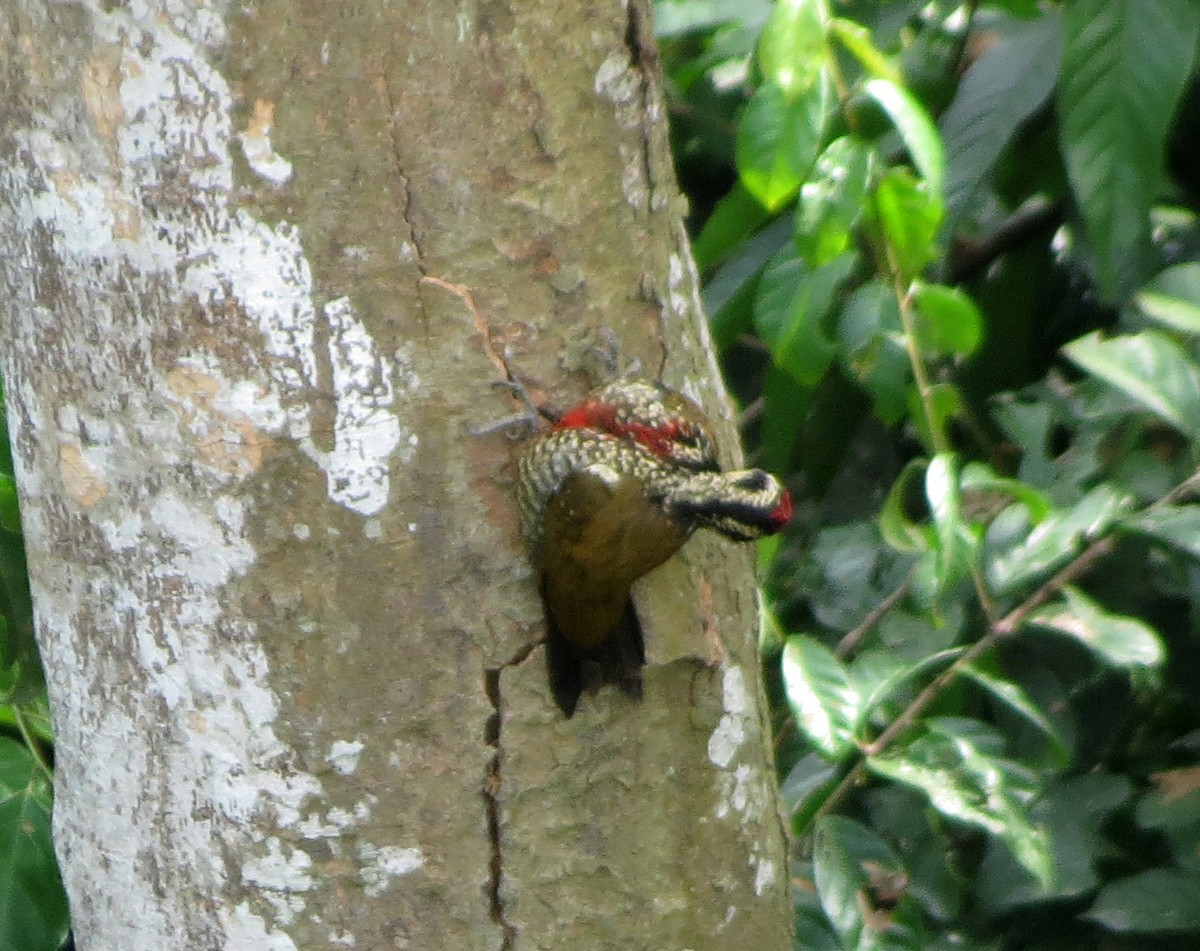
<point x="288" y="626"/>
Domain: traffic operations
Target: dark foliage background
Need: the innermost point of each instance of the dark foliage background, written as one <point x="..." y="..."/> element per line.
<point x="949" y="253"/>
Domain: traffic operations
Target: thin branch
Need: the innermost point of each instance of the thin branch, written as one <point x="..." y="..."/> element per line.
<point x="847" y="644"/>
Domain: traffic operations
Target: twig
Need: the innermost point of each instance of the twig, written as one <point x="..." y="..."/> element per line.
<point x="850" y="641"/>
<point x="485" y="331"/>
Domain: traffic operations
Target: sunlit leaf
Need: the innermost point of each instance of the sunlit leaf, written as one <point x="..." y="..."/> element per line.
<point x="831" y="201"/>
<point x="791" y="51"/>
<point x="1057" y="538"/>
<point x="823" y="701"/>
<point x="777" y="141"/>
<point x="1173" y="298"/>
<point x="856" y="38"/>
<point x="1150" y="368"/>
<point x="968" y="784"/>
<point x="955" y="545"/>
<point x="917" y="130"/>
<point x="909" y="217"/>
<point x="1120" y="640"/>
<point x="978" y="477"/>
<point x="950" y="322"/>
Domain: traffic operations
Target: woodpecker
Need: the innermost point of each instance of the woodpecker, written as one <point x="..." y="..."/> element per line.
<point x="611" y="491"/>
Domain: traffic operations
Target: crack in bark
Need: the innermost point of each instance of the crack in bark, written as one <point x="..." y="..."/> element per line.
<point x="491" y="792"/>
<point x="643" y="57"/>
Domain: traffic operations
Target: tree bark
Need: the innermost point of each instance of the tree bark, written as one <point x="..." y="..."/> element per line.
<point x="289" y="631"/>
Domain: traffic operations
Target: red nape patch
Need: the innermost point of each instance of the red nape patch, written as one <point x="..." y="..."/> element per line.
<point x="603" y="418"/>
<point x="589" y="415"/>
<point x="782" y="514"/>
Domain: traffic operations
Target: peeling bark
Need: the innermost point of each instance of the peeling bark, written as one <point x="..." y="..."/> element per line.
<point x="290" y="635"/>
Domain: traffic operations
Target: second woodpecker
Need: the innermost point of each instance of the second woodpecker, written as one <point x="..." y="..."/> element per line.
<point x="611" y="491"/>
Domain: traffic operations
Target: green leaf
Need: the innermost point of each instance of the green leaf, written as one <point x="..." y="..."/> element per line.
<point x="909" y="218"/>
<point x="999" y="91"/>
<point x="897" y="529"/>
<point x="729" y="293"/>
<point x="978" y="477"/>
<point x="1073" y="812"/>
<point x="871" y="347"/>
<point x="10" y="512"/>
<point x="1120" y="640"/>
<point x="850" y="863"/>
<point x="790" y="312"/>
<point x="1174" y="525"/>
<point x="1016" y="699"/>
<point x="1173" y="298"/>
<point x="917" y="130"/>
<point x="856" y="38"/>
<point x="1125" y="64"/>
<point x="821" y="697"/>
<point x="950" y="322"/>
<point x="831" y="200"/>
<point x="735" y="217"/>
<point x="777" y="141"/>
<point x="955" y="549"/>
<point x="1057" y="539"/>
<point x="968" y="784"/>
<point x="688" y="16"/>
<point x="1150" y="368"/>
<point x="1161" y="900"/>
<point x="33" y="906"/>
<point x="791" y="51"/>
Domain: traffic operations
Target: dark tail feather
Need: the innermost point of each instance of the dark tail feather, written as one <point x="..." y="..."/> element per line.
<point x="619" y="660"/>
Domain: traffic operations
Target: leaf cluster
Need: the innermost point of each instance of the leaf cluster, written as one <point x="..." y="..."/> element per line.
<point x="950" y="259"/>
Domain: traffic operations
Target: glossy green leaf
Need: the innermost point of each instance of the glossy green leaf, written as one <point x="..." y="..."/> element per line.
<point x="955" y="550"/>
<point x="33" y="906"/>
<point x="831" y="200"/>
<point x="729" y="294"/>
<point x="909" y="218"/>
<point x="1016" y="700"/>
<point x="1158" y="901"/>
<point x="1125" y="64"/>
<point x="917" y="130"/>
<point x="1150" y="368"/>
<point x="791" y="51"/>
<point x="883" y="689"/>
<point x="978" y="477"/>
<point x="856" y="38"/>
<point x="899" y="530"/>
<point x="999" y="91"/>
<point x="823" y="701"/>
<point x="1173" y="298"/>
<point x="1120" y="640"/>
<point x="851" y="862"/>
<point x="949" y="320"/>
<point x="1057" y="539"/>
<point x="791" y="310"/>
<point x="1175" y="525"/>
<point x="966" y="783"/>
<point x="778" y="139"/>
<point x="1073" y="812"/>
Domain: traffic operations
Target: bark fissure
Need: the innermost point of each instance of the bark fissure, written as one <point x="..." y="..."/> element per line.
<point x="643" y="58"/>
<point x="491" y="792"/>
